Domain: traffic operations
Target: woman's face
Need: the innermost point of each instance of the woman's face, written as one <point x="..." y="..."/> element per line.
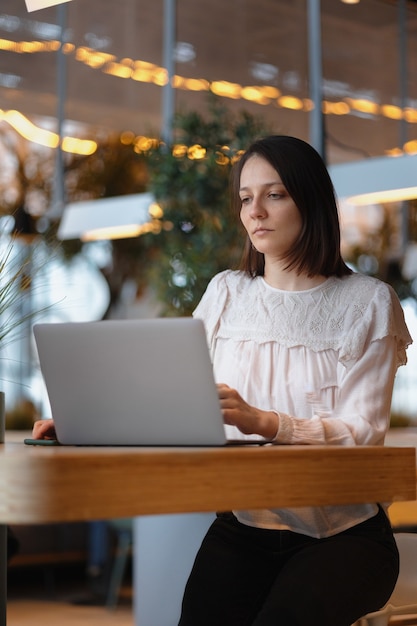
<point x="268" y="213"/>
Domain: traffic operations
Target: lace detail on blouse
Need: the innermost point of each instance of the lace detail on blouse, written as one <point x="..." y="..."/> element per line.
<point x="341" y="314"/>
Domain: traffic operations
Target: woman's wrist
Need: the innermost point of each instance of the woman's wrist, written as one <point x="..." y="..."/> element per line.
<point x="269" y="424"/>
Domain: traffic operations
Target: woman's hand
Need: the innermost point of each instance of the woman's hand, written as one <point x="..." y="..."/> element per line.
<point x="248" y="419"/>
<point x="44" y="429"/>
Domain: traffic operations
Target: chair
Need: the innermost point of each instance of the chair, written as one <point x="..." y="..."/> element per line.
<point x="403" y="600"/>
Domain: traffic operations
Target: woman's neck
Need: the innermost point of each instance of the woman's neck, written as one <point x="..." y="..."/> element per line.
<point x="289" y="280"/>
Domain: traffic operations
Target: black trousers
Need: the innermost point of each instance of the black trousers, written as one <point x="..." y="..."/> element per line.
<point x="244" y="576"/>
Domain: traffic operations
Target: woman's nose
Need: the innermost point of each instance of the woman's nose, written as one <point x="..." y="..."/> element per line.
<point x="257" y="210"/>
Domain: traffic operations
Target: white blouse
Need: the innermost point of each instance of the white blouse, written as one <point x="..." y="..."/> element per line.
<point x="324" y="359"/>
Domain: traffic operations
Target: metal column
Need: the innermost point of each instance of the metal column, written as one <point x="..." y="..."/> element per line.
<point x="58" y="191"/>
<point x="168" y="100"/>
<point x="315" y="76"/>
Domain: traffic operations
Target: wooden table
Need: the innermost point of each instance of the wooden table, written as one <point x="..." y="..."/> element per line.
<point x="57" y="484"/>
<point x="403" y="514"/>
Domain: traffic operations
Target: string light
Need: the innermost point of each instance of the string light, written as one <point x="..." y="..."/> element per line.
<point x="144" y="71"/>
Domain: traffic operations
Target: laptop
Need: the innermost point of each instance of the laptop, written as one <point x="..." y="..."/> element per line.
<point x="145" y="382"/>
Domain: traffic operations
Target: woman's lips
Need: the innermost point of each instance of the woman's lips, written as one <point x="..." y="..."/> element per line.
<point x="261" y="231"/>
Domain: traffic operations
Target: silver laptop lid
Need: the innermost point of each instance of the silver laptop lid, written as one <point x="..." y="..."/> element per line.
<point x="130" y="382"/>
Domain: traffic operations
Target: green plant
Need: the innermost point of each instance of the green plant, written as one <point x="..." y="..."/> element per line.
<point x="20" y="261"/>
<point x="190" y="180"/>
<point x="16" y="271"/>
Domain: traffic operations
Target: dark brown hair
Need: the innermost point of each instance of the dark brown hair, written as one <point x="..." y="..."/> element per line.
<point x="305" y="177"/>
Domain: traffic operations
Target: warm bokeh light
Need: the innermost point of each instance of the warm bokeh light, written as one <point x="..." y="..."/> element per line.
<point x="221" y="159"/>
<point x="156" y="211"/>
<point x="289" y="102"/>
<point x="43" y="137"/>
<point x="79" y="146"/>
<point x="410" y="147"/>
<point x="196" y="84"/>
<point x="196" y="152"/>
<point x="392" y="111"/>
<point x="363" y="105"/>
<point x="93" y="58"/>
<point x="225" y="89"/>
<point x="382" y="197"/>
<point x="336" y="108"/>
<point x="29" y="131"/>
<point x="410" y="115"/>
<point x="143" y="71"/>
<point x="118" y="69"/>
<point x="254" y="94"/>
<point x="179" y="150"/>
<point x="122" y="232"/>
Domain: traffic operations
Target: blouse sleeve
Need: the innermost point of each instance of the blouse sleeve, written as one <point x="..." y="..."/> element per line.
<point x="383" y="317"/>
<point x="361" y="412"/>
<point x="211" y="306"/>
<point x="368" y="360"/>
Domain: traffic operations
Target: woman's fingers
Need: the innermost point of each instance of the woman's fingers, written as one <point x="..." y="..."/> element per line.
<point x="44" y="429"/>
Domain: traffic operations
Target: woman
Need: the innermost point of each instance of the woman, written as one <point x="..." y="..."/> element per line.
<point x="305" y="352"/>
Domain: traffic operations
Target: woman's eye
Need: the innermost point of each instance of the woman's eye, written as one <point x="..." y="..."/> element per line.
<point x="244" y="200"/>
